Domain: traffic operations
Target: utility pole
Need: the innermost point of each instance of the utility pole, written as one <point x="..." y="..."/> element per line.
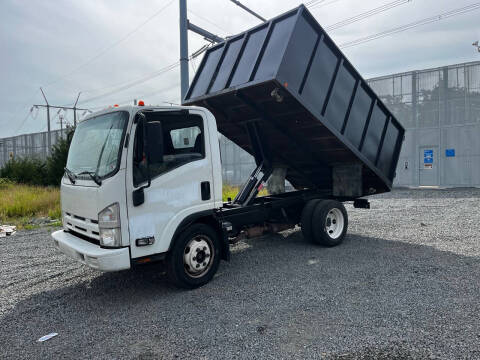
<point x="60" y="117"/>
<point x="75" y="110"/>
<point x="186" y="25"/>
<point x="49" y="137"/>
<point x="48" y="106"/>
<point x="238" y="3"/>
<point x="183" y="50"/>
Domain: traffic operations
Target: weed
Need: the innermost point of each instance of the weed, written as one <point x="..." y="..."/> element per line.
<point x="21" y="202"/>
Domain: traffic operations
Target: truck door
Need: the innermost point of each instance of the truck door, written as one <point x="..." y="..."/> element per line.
<point x="181" y="176"/>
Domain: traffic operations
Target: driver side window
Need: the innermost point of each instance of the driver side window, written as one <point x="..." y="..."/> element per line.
<point x="181" y="141"/>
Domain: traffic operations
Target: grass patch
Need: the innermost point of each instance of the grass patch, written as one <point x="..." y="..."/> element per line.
<point x="230" y="191"/>
<point x="20" y="203"/>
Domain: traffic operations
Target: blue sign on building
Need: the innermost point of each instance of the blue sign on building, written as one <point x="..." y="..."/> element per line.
<point x="428" y="156"/>
<point x="450" y="152"/>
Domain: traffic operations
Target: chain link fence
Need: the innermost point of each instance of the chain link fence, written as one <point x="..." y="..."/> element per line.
<point x="28" y="145"/>
<point x="440" y="108"/>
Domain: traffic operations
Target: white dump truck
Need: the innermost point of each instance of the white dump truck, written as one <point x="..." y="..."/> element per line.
<point x="144" y="183"/>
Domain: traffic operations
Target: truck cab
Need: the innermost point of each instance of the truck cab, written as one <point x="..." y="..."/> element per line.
<point x="135" y="176"/>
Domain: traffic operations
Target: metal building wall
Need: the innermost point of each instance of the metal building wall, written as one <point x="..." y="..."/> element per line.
<point x="237" y="164"/>
<point x="32" y="145"/>
<point x="440" y="108"/>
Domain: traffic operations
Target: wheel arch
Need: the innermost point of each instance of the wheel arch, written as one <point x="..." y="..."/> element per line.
<point x="207" y="217"/>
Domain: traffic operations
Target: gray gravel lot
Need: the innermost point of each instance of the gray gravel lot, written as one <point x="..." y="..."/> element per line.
<point x="404" y="284"/>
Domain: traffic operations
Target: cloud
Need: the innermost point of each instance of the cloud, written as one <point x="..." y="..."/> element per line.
<point x="42" y="41"/>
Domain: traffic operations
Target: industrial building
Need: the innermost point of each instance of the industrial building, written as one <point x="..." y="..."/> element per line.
<point x="440" y="109"/>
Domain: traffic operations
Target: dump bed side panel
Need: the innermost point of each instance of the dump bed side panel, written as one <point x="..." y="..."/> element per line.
<point x="316" y="71"/>
<point x="315" y="111"/>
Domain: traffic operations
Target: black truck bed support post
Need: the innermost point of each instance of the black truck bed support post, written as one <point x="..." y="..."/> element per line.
<point x="253" y="185"/>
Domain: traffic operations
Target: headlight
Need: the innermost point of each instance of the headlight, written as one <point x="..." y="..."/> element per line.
<point x="109" y="226"/>
<point x="110" y="237"/>
<point x="109" y="217"/>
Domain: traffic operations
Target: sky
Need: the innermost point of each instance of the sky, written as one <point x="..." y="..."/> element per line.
<point x="114" y="51"/>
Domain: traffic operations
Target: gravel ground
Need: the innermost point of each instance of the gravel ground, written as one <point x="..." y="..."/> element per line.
<point x="404" y="284"/>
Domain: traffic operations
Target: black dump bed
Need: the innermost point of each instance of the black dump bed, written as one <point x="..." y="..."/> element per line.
<point x="315" y="113"/>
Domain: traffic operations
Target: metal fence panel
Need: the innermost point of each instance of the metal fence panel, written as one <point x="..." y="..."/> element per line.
<point x="28" y="145"/>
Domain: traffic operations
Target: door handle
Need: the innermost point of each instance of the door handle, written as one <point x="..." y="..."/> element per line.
<point x="205" y="189"/>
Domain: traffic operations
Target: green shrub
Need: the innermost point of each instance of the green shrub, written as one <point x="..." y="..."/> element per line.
<point x="57" y="161"/>
<point x="30" y="171"/>
<point x="33" y="171"/>
<point x="4" y="182"/>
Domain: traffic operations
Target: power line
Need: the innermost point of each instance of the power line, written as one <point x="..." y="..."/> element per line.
<point x="22" y="123"/>
<point x="367" y="14"/>
<point x="208" y="21"/>
<point x="148" y="77"/>
<point x="310" y="3"/>
<point x="439" y="17"/>
<point x="122" y="39"/>
<point x="123" y="83"/>
<point x="321" y="4"/>
<point x="156" y="92"/>
<point x="250" y="11"/>
<point x="134" y="83"/>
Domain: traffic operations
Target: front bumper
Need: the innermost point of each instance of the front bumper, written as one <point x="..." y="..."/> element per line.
<point x="91" y="254"/>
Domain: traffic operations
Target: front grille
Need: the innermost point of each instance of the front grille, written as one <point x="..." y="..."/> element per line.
<point x="83" y="237"/>
<point x="82" y="225"/>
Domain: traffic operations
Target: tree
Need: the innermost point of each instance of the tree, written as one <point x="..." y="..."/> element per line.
<point x="57" y="160"/>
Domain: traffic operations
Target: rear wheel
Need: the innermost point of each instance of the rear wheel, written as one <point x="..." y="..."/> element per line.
<point x="306" y="219"/>
<point x="329" y="223"/>
<point x="194" y="258"/>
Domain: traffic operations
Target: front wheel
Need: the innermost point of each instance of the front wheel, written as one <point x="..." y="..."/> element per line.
<point x="194" y="258"/>
<point x="329" y="223"/>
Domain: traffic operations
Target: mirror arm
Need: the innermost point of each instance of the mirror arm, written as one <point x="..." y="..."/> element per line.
<point x="145" y="148"/>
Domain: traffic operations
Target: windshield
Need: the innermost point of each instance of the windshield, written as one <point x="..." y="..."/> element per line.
<point x="96" y="144"/>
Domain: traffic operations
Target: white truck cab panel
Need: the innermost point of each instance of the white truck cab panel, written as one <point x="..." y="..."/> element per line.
<point x="175" y="194"/>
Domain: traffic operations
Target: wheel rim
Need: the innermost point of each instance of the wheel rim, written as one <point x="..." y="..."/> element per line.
<point x="198" y="256"/>
<point x="334" y="223"/>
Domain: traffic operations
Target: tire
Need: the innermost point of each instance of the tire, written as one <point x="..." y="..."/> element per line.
<point x="306" y="218"/>
<point x="184" y="269"/>
<point x="329" y="223"/>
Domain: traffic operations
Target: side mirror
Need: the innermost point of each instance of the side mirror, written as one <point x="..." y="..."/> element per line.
<point x="154" y="138"/>
<point x="152" y="149"/>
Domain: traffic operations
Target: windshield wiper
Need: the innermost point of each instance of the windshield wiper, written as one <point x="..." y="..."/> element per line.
<point x="93" y="176"/>
<point x="70" y="175"/>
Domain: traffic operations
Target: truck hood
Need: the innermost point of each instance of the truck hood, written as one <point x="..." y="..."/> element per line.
<point x="80" y="200"/>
